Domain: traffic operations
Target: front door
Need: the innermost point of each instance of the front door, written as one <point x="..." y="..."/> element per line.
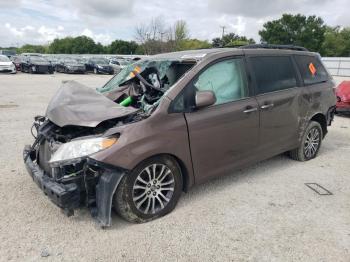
<point x="223" y="136"/>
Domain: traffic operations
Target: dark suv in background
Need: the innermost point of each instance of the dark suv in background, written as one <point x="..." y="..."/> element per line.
<point x="173" y="120"/>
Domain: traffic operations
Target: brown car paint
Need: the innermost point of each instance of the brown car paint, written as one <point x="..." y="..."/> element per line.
<point x="218" y="139"/>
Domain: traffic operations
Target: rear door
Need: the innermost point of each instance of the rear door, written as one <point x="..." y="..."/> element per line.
<point x="318" y="85"/>
<point x="223" y="136"/>
<point x="278" y="96"/>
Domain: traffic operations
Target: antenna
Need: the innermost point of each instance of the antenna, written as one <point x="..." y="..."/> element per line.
<point x="223" y="30"/>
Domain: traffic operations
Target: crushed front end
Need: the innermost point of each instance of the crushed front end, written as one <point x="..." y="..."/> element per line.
<point x="80" y="122"/>
<point x="71" y="183"/>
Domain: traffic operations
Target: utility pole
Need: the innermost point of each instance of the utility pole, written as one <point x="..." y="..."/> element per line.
<point x="223" y="30"/>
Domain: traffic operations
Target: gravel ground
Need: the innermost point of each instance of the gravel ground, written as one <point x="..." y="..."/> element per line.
<point x="262" y="213"/>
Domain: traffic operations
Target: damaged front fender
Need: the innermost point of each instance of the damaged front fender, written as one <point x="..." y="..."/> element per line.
<point x="105" y="190"/>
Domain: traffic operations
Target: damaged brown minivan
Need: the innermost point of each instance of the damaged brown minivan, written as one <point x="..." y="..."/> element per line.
<point x="173" y="120"/>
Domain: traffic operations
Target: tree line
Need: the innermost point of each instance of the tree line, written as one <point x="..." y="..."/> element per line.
<point x="157" y="37"/>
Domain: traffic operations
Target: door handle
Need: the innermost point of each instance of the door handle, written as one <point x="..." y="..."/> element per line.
<point x="250" y="110"/>
<point x="267" y="106"/>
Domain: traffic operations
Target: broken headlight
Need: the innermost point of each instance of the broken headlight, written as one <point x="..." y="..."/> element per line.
<point x="75" y="150"/>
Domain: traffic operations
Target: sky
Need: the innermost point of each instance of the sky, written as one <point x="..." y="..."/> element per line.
<point x="41" y="21"/>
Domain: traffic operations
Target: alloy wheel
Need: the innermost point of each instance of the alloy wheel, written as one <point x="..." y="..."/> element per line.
<point x="153" y="188"/>
<point x="312" y="142"/>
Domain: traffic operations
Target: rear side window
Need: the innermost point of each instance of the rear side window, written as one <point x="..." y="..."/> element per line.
<point x="273" y="73"/>
<point x="311" y="69"/>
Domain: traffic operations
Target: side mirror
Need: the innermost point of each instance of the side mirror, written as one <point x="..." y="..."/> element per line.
<point x="205" y="98"/>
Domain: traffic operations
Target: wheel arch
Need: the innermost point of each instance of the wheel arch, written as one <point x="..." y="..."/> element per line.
<point x="186" y="181"/>
<point x="321" y="119"/>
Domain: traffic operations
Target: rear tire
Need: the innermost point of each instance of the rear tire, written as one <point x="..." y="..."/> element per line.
<point x="150" y="191"/>
<point x="310" y="143"/>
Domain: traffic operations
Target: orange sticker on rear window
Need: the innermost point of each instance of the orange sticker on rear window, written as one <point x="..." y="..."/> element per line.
<point x="312" y="69"/>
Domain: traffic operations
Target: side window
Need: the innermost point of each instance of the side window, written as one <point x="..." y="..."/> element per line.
<point x="311" y="69"/>
<point x="227" y="79"/>
<point x="273" y="73"/>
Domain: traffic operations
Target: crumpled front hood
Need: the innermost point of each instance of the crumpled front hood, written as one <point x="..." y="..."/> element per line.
<point x="79" y="105"/>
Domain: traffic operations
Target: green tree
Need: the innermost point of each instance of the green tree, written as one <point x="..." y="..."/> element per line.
<point x="336" y="42"/>
<point x="85" y="45"/>
<point x="295" y="30"/>
<point x="231" y="40"/>
<point x="32" y="49"/>
<point x="122" y="47"/>
<point x="180" y="36"/>
<point x="61" y="46"/>
<point x="189" y="44"/>
<point x="76" y="45"/>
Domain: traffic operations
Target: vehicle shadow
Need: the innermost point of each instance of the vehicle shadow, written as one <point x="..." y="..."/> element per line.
<point x="343" y="115"/>
<point x="215" y="185"/>
<point x="218" y="184"/>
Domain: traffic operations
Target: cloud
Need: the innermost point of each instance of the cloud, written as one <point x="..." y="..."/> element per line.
<point x="39" y="21"/>
<point x="10" y="3"/>
<point x="258" y="8"/>
<point x="104" y="8"/>
<point x="30" y="34"/>
<point x="101" y="38"/>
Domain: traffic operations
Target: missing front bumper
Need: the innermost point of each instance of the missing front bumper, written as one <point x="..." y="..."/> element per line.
<point x="66" y="196"/>
<point x="69" y="196"/>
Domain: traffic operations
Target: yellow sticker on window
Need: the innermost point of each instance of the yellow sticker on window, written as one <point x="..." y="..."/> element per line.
<point x="312" y="69"/>
<point x="136" y="71"/>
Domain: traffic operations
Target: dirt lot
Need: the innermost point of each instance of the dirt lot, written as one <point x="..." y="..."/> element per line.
<point x="263" y="213"/>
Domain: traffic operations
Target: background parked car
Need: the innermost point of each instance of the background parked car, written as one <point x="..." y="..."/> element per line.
<point x="99" y="65"/>
<point x="36" y="64"/>
<point x="8" y="53"/>
<point x="31" y="54"/>
<point x="119" y="64"/>
<point x="70" y="65"/>
<point x="343" y="97"/>
<point x="53" y="60"/>
<point x="17" y="60"/>
<point x="6" y="65"/>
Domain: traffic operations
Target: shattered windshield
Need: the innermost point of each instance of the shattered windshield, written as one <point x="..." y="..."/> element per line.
<point x="127" y="73"/>
<point x="143" y="83"/>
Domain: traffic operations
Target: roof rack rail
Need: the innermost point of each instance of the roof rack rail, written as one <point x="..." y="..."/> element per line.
<point x="269" y="46"/>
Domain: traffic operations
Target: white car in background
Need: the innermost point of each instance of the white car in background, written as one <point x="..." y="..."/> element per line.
<point x="119" y="64"/>
<point x="6" y="65"/>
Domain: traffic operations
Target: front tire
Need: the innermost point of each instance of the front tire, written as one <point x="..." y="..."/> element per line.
<point x="310" y="143"/>
<point x="150" y="191"/>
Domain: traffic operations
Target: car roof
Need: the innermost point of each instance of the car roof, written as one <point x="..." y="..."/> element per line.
<point x="201" y="54"/>
<point x="198" y="54"/>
